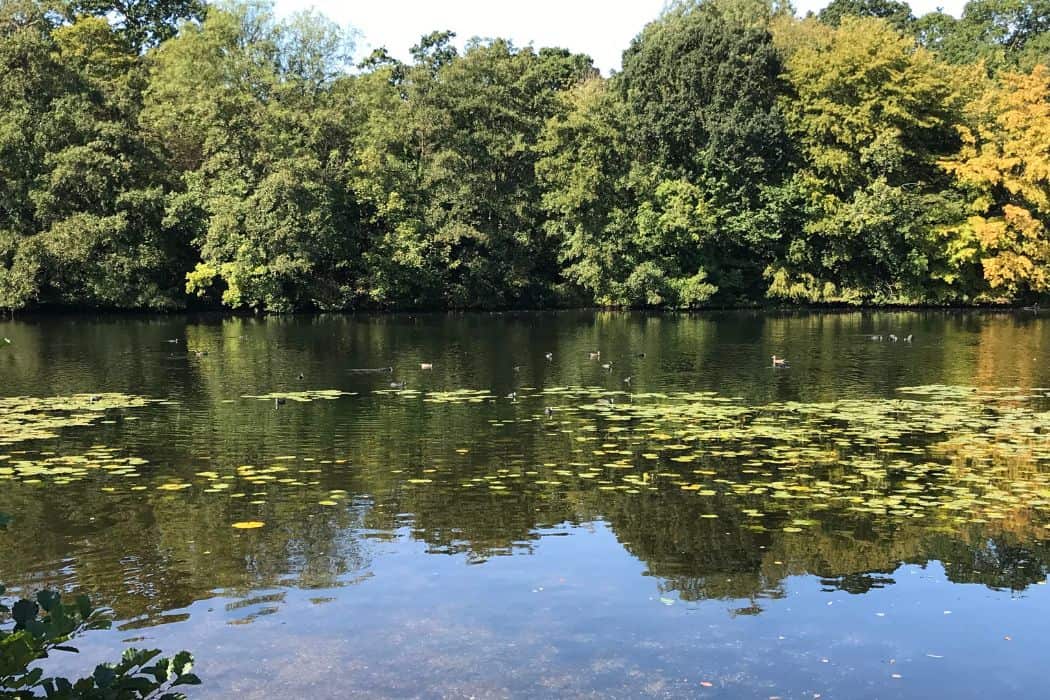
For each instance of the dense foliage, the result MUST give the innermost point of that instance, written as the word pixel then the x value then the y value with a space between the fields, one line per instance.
pixel 166 153
pixel 31 629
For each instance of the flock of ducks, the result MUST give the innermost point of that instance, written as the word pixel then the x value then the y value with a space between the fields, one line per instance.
pixel 594 355
pixel 777 362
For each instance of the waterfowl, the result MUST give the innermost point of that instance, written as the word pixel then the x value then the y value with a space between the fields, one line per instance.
pixel 549 356
pixel 607 366
pixel 640 355
pixel 398 385
pixel 876 337
pixel 596 355
pixel 302 376
pixel 173 340
pixel 517 368
pixel 1033 307
pixel 893 338
pixel 513 396
pixel 278 401
pixel 426 365
pixel 548 411
pixel 627 380
pixel 908 338
pixel 200 353
pixel 779 361
pixel 7 341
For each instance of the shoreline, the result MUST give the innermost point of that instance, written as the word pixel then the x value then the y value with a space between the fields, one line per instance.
pixel 73 312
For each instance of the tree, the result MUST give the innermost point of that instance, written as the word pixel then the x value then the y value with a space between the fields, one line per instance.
pixel 871 113
pixel 1004 165
pixel 140 24
pixel 448 166
pixel 584 170
pixel 700 89
pixel 81 206
pixel 249 110
pixel 1001 33
pixel 897 13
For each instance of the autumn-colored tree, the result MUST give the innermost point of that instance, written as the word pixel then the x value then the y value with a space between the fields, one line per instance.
pixel 1004 164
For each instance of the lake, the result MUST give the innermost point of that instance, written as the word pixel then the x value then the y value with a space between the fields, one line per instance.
pixel 871 520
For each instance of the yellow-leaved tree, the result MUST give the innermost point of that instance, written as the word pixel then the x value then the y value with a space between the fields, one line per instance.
pixel 1004 164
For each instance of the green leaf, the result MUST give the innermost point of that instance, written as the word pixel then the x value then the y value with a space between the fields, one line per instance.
pixel 48 599
pixel 23 612
pixel 104 675
pixel 33 677
pixel 182 663
pixel 83 604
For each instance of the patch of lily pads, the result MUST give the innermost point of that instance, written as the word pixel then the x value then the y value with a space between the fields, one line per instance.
pixel 936 455
pixel 941 455
pixel 66 469
pixel 24 418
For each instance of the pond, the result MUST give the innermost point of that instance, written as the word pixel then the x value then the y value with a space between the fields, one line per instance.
pixel 312 513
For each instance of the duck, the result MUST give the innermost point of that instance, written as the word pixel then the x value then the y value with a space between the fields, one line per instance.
pixel 549 356
pixel 548 411
pixel 398 385
pixel 876 338
pixel 894 338
pixel 278 402
pixel 513 396
pixel 908 338
pixel 640 355
pixel 302 376
pixel 607 366
pixel 779 361
pixel 426 365
pixel 7 341
pixel 173 340
pixel 517 368
pixel 200 353
pixel 595 355
pixel 627 380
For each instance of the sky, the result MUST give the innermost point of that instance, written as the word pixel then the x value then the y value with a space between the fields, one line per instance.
pixel 599 28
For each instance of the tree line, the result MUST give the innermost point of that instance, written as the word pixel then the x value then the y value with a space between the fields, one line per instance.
pixel 166 154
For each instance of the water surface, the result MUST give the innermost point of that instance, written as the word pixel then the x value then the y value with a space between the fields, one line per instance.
pixel 870 521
